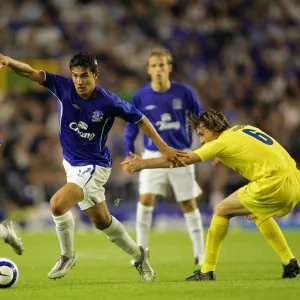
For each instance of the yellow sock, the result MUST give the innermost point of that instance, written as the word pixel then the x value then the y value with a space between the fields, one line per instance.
pixel 215 237
pixel 273 234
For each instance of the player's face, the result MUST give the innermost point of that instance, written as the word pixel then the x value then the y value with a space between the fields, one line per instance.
pixel 84 81
pixel 159 69
pixel 206 135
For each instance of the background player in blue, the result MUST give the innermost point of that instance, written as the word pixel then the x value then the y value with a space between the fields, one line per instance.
pixel 86 114
pixel 8 234
pixel 167 105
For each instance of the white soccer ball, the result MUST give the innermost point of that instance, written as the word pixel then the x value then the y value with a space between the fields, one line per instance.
pixel 9 273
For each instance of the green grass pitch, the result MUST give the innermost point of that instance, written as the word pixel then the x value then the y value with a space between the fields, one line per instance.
pixel 248 269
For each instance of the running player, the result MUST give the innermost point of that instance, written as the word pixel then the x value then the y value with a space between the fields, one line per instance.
pixel 86 115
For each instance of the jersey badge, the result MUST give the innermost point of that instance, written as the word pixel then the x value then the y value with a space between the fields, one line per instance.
pixel 177 103
pixel 97 116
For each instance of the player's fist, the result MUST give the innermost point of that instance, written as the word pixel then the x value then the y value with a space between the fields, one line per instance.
pixel 173 156
pixel 125 166
pixel 4 61
pixel 134 163
pixel 250 217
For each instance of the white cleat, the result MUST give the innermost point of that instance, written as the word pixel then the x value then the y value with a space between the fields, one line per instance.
pixel 12 239
pixel 63 265
pixel 143 266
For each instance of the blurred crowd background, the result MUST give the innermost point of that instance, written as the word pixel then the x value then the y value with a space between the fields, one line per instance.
pixel 240 56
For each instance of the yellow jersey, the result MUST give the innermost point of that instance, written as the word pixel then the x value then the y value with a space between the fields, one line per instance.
pixel 249 151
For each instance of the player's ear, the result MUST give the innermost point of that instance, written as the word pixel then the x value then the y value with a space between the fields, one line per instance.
pixel 96 74
pixel 148 69
pixel 170 68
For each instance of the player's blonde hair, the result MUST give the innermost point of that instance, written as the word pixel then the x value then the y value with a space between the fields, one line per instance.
pixel 160 51
pixel 211 119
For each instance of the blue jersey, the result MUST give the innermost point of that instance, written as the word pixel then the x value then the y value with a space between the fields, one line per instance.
pixel 168 112
pixel 85 124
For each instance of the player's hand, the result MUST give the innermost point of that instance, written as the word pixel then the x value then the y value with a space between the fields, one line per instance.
pixel 173 156
pixel 134 162
pixel 125 166
pixel 215 161
pixel 4 60
pixel 250 217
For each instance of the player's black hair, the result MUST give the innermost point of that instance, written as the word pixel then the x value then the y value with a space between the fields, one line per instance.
pixel 86 60
pixel 211 119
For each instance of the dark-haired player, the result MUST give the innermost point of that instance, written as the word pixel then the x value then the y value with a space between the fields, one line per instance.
pixel 86 115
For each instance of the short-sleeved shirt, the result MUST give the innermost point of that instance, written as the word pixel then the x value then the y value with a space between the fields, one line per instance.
pixel 249 151
pixel 85 124
pixel 168 112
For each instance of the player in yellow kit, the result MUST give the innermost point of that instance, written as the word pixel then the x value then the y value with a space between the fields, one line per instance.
pixel 274 187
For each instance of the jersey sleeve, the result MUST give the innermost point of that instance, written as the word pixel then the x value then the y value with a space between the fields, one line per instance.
pixel 124 110
pixel 193 104
pixel 57 84
pixel 210 150
pixel 131 132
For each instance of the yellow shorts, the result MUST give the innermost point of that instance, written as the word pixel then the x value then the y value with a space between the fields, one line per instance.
pixel 276 195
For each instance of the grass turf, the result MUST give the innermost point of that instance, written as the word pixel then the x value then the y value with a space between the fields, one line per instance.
pixel 248 269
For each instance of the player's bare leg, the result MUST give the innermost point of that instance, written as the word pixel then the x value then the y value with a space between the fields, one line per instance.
pixel 217 232
pixel 117 234
pixel 194 225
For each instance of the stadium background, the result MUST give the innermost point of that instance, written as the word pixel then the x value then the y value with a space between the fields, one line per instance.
pixel 241 57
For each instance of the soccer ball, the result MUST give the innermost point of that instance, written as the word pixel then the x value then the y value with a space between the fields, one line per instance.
pixel 9 273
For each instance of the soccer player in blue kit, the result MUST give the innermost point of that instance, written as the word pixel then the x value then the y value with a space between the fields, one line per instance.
pixel 8 234
pixel 86 114
pixel 167 104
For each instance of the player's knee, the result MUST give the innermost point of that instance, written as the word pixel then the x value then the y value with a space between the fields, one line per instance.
pixel 220 210
pixel 188 205
pixel 147 199
pixel 56 206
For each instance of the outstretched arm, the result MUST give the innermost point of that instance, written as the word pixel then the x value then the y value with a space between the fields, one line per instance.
pixel 22 69
pixel 136 163
pixel 146 126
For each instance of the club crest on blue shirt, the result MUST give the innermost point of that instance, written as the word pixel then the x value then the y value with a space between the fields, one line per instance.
pixel 177 103
pixel 97 116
